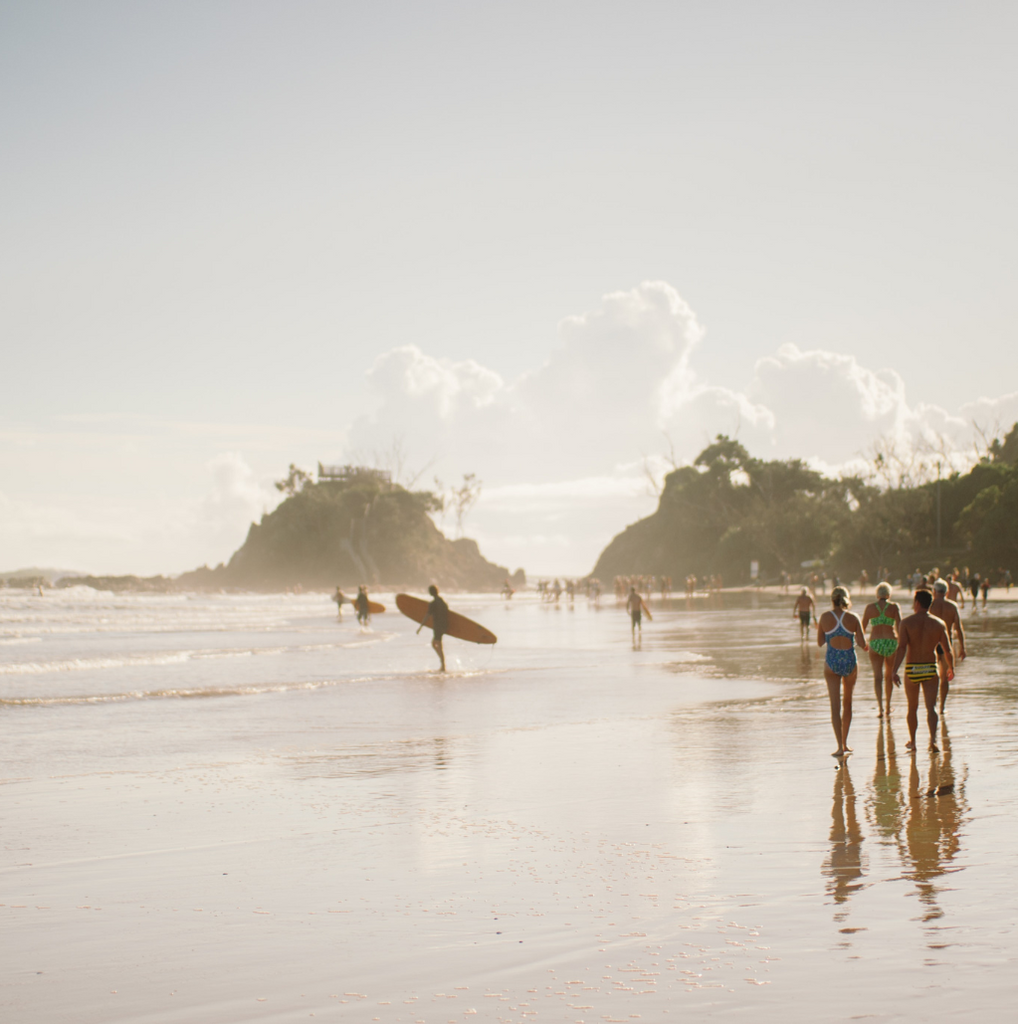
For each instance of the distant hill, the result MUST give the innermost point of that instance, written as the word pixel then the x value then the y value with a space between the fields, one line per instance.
pixel 361 530
pixel 34 573
pixel 729 509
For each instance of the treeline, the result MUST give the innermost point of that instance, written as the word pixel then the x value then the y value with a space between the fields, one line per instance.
pixel 729 509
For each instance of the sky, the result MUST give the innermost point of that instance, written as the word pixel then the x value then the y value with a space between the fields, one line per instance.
pixel 553 244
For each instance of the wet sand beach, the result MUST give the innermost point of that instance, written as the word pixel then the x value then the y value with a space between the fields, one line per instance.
pixel 230 808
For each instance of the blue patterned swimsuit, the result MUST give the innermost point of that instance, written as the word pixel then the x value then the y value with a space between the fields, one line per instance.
pixel 841 663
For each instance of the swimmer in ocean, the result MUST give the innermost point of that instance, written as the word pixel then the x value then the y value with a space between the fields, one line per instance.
pixel 919 636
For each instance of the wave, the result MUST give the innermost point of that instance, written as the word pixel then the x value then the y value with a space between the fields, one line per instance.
pixel 183 693
pixel 175 657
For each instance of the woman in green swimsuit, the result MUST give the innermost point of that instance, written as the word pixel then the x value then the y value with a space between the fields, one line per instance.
pixel 885 618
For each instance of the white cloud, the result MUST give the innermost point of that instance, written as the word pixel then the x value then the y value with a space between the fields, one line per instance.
pixel 598 400
pixel 559 448
pixel 992 415
pixel 107 531
pixel 236 499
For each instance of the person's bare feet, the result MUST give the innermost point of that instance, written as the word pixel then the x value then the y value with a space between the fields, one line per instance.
pixel 934 749
pixel 910 745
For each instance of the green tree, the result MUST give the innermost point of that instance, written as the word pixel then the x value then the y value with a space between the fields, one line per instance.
pixel 294 482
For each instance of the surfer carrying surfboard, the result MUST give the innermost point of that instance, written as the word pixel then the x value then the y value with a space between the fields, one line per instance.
pixel 362 605
pixel 438 612
pixel 443 621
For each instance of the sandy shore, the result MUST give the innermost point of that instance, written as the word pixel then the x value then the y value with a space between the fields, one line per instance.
pixel 574 830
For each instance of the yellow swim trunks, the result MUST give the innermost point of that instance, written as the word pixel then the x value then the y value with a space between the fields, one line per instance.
pixel 919 673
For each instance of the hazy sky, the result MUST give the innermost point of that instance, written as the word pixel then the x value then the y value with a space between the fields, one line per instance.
pixel 236 235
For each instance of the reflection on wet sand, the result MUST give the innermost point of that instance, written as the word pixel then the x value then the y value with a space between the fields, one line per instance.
pixel 886 806
pixel 375 759
pixel 924 822
pixel 931 834
pixel 843 867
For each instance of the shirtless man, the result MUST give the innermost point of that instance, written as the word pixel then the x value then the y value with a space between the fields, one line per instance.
pixel 944 608
pixel 919 637
pixel 804 607
pixel 438 613
pixel 636 608
pixel 954 590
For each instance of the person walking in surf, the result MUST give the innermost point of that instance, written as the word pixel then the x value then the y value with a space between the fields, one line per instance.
pixel 947 611
pixel 636 607
pixel 838 630
pixel 805 607
pixel 438 612
pixel 920 635
pixel 884 616
pixel 362 605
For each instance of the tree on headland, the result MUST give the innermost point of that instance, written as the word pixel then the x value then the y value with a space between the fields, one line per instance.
pixel 1006 450
pixel 729 508
pixel 294 482
pixel 459 500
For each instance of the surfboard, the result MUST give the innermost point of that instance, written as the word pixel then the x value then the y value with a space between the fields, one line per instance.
pixel 459 625
pixel 374 608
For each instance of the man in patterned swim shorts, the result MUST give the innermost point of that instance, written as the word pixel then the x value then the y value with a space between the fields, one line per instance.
pixel 919 636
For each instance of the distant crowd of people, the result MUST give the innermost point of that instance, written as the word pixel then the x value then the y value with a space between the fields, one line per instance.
pixel 553 590
pixel 967 581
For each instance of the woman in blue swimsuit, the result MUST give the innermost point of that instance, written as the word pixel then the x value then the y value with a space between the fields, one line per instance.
pixel 838 630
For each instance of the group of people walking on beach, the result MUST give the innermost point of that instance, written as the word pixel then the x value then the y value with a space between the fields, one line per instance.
pixel 927 643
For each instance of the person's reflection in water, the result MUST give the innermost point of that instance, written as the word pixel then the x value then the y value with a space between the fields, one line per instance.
pixel 931 839
pixel 843 866
pixel 887 806
pixel 806 659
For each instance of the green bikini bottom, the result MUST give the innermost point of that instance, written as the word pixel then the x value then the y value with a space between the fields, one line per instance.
pixel 884 646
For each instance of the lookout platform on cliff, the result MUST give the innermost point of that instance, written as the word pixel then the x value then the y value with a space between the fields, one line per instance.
pixel 354 475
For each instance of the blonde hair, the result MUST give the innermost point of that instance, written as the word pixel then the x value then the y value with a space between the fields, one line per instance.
pixel 884 590
pixel 840 598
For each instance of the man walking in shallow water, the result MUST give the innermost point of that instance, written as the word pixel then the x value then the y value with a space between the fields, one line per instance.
pixel 636 607
pixel 805 607
pixel 919 637
pixel 945 609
